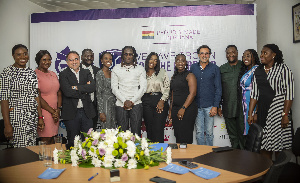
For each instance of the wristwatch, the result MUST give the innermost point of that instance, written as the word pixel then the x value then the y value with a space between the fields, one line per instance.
pixel 183 107
pixel 284 114
pixel 74 87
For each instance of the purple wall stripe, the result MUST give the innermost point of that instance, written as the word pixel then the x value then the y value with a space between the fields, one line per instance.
pixel 176 11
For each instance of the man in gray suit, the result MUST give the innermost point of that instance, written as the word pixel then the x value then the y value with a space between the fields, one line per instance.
pixel 77 110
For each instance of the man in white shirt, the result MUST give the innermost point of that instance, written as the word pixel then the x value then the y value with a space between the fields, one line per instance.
pixel 129 83
pixel 87 61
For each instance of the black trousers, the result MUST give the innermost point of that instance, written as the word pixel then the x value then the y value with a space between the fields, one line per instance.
pixel 81 123
pixel 134 116
pixel 154 121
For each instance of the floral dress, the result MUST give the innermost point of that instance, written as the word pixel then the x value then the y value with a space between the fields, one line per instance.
pixel 246 84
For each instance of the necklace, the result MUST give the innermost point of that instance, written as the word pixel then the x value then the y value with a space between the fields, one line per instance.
pixel 128 68
pixel 267 69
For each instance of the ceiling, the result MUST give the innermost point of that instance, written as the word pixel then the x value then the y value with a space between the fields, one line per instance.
pixel 70 5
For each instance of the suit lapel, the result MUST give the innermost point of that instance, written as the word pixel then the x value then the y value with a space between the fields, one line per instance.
pixel 71 76
pixel 81 76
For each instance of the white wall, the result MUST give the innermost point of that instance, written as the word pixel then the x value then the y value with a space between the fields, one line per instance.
pixel 14 27
pixel 274 25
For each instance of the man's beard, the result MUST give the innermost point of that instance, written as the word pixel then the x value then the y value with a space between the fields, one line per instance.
pixel 232 62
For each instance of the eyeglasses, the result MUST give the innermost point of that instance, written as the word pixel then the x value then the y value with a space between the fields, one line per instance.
pixel 71 60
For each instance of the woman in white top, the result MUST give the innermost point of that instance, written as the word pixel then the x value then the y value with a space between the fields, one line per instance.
pixel 155 100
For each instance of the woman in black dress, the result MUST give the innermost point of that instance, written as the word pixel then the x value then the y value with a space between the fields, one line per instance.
pixel 183 108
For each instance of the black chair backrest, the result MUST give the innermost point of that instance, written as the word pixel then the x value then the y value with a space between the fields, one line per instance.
pixel 296 143
pixel 2 137
pixel 273 174
pixel 254 138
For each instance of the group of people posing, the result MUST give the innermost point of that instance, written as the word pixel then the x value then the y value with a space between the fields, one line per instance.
pixel 244 92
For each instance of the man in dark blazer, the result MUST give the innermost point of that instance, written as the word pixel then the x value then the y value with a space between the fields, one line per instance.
pixel 87 60
pixel 77 109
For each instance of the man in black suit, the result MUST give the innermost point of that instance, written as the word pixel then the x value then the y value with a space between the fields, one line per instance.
pixel 77 110
pixel 87 60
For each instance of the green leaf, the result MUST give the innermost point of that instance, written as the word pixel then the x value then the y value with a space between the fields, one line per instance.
pixel 86 165
pixel 154 164
pixel 139 166
pixel 85 134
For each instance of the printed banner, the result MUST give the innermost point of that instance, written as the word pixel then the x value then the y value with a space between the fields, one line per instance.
pixel 165 30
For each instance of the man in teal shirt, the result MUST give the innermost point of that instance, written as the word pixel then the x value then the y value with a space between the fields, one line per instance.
pixel 231 104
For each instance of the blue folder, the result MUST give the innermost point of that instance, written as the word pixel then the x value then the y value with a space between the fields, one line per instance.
pixel 155 147
pixel 51 173
pixel 205 173
pixel 175 169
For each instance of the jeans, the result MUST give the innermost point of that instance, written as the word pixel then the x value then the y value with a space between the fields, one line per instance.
pixel 204 127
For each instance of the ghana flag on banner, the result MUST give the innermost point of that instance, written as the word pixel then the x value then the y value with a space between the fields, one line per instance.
pixel 148 34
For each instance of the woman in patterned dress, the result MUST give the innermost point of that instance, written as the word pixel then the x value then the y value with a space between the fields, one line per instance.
pixel 51 99
pixel 273 92
pixel 20 103
pixel 155 100
pixel 106 100
pixel 249 65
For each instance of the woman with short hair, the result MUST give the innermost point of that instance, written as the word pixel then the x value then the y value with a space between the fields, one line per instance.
pixel 51 99
pixel 20 101
pixel 183 109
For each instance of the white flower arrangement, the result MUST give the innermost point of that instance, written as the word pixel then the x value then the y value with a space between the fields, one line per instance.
pixel 112 149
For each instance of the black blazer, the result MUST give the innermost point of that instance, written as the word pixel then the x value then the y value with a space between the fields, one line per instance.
pixel 70 97
pixel 95 70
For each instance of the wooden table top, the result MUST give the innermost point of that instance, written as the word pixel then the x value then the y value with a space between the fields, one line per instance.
pixel 228 164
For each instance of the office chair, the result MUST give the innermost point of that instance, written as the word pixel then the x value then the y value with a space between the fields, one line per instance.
pixel 273 174
pixel 254 138
pixel 3 140
pixel 291 171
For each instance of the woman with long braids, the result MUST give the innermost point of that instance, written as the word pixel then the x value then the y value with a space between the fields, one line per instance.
pixel 155 100
pixel 249 65
pixel 273 92
pixel 183 108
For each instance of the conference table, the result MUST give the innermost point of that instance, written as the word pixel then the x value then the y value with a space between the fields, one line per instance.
pixel 22 165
